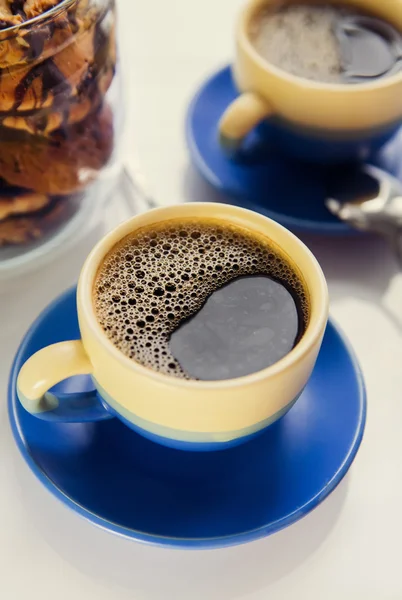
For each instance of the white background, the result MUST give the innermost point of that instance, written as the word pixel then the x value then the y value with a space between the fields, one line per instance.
pixel 350 547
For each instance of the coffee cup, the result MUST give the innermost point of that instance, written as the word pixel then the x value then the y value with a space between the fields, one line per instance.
pixel 309 120
pixel 187 414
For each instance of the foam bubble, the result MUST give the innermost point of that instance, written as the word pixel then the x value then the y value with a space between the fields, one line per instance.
pixel 158 277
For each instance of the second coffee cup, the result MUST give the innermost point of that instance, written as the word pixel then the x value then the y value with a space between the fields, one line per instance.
pixel 312 120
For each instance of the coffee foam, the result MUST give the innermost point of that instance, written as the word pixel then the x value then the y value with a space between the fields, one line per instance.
pixel 300 38
pixel 161 275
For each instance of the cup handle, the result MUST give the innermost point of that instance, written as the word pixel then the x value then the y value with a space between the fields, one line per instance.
pixel 240 118
pixel 49 367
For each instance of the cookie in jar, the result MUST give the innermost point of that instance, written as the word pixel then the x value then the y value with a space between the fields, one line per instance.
pixel 57 134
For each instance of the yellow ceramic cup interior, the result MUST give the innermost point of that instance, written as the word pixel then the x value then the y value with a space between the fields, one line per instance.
pixel 188 411
pixel 324 109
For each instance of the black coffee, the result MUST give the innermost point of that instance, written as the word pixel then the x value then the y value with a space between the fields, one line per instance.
pixel 199 299
pixel 328 43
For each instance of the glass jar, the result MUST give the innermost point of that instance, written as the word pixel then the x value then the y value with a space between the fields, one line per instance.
pixel 58 116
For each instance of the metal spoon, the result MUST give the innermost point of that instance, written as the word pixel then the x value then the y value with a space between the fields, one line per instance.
pixel 381 213
pixel 388 55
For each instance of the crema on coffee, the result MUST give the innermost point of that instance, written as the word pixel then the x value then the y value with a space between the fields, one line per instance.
pixel 201 299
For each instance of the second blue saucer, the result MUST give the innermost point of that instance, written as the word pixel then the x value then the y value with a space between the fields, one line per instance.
pixel 128 485
pixel 290 192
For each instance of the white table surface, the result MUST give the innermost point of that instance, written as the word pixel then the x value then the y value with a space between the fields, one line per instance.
pixel 349 547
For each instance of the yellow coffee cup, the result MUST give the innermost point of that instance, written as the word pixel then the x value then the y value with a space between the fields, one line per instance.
pixel 320 122
pixel 199 415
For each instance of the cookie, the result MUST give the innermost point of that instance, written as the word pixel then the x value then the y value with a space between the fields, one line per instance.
pixel 27 42
pixel 48 82
pixel 19 230
pixel 17 201
pixel 44 122
pixel 63 167
pixel 7 17
pixel 34 8
pixel 44 65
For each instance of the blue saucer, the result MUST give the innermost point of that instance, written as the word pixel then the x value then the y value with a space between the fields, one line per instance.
pixel 279 187
pixel 133 487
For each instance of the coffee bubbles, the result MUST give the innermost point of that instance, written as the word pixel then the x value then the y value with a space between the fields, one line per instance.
pixel 159 277
pixel 327 43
